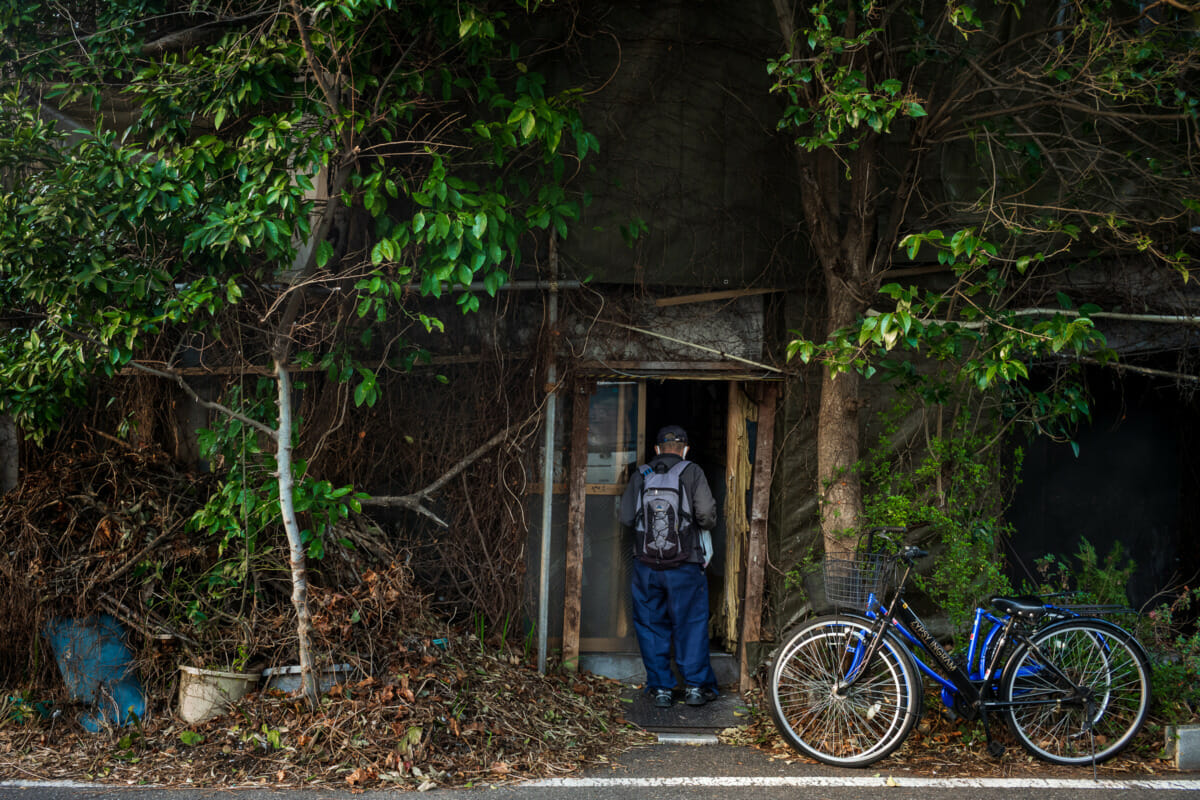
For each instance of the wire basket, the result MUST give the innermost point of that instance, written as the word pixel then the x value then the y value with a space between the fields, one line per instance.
pixel 849 582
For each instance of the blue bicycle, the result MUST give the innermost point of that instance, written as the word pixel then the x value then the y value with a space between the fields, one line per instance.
pixel 847 689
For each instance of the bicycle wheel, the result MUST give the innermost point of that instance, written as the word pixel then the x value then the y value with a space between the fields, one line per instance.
pixel 818 715
pixel 1061 724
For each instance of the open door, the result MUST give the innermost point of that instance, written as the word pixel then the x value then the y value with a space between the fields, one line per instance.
pixel 615 437
pixel 622 419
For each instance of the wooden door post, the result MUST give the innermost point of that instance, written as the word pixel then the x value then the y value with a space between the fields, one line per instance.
pixel 577 498
pixel 756 549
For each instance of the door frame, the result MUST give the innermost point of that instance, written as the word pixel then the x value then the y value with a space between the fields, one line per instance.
pixel 744 590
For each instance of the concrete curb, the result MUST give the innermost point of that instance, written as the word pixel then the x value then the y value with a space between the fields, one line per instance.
pixel 1183 746
pixel 688 738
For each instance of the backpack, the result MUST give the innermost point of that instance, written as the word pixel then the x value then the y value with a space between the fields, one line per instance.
pixel 665 535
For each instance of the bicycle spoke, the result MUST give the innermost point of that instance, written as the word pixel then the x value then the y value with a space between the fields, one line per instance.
pixel 834 722
pixel 1084 690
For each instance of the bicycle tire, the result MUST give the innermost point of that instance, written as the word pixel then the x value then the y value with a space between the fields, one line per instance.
pixel 1103 658
pixel 850 728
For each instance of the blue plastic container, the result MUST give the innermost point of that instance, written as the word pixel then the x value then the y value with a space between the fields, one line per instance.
pixel 97 667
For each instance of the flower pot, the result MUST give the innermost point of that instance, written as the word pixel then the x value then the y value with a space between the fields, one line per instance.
pixel 207 693
pixel 287 679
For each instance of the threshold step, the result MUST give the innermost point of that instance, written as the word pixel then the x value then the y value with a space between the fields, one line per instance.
pixel 688 738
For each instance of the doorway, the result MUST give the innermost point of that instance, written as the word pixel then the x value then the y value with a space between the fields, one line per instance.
pixel 623 419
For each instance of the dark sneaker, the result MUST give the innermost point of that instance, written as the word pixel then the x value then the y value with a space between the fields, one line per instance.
pixel 663 698
pixel 694 696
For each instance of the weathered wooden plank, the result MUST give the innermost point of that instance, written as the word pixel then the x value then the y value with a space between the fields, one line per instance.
pixel 756 550
pixel 576 502
pixel 706 297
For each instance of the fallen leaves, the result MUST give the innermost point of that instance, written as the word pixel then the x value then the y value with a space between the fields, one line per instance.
pixel 434 718
pixel 361 777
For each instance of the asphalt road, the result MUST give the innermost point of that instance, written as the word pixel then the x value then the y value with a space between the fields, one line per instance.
pixel 673 772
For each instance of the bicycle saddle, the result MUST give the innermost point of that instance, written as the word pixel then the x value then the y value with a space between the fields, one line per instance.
pixel 1029 608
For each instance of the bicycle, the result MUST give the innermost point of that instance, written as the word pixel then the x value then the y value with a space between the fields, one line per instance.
pixel 847 690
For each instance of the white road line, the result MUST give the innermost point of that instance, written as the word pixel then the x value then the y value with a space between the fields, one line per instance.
pixel 872 782
pixel 21 784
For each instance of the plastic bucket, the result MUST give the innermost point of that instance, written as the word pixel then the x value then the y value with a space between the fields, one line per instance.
pixel 207 693
pixel 287 679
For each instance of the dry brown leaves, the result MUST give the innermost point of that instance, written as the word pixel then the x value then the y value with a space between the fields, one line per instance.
pixel 940 747
pixel 431 706
pixel 468 714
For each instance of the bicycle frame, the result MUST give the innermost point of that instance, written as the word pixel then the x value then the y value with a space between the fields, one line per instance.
pixel 950 675
pixel 847 688
pixel 985 629
pixel 975 690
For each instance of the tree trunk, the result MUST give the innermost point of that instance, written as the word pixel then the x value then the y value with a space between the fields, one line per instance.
pixel 287 510
pixel 837 435
pixel 10 449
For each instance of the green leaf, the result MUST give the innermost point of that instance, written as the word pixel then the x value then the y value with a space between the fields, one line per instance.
pixel 324 253
pixel 190 738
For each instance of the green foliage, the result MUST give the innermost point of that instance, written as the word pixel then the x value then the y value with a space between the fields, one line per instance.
pixel 849 104
pixel 1091 579
pixel 984 348
pixel 1172 634
pixel 112 239
pixel 881 98
pixel 242 515
pixel 365 152
pixel 1169 631
pixel 952 490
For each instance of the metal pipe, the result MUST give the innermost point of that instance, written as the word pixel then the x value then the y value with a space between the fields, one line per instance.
pixel 543 623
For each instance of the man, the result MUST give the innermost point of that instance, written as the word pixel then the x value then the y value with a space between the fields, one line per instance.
pixel 670 590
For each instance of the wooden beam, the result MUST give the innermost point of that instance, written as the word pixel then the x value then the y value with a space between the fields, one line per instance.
pixel 706 297
pixel 756 549
pixel 577 500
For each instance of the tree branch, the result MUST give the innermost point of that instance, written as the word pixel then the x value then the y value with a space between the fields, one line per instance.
pixel 171 375
pixel 414 501
pixel 189 37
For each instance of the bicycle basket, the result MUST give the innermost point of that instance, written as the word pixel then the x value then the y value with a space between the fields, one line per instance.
pixel 850 581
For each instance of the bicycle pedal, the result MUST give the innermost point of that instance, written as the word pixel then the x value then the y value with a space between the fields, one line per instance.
pixel 995 749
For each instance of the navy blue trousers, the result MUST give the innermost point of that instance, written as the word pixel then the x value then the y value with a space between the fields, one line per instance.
pixel 670 607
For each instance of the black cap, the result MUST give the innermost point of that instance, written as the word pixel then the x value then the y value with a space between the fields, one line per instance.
pixel 672 433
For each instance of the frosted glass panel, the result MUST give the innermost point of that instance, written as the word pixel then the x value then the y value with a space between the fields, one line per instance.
pixel 612 450
pixel 612 432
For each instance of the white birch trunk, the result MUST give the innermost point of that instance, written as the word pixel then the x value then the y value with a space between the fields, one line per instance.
pixel 287 510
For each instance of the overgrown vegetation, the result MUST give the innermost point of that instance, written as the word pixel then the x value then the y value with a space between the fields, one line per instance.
pixel 990 147
pixel 950 485
pixel 1169 630
pixel 285 185
pixel 428 704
